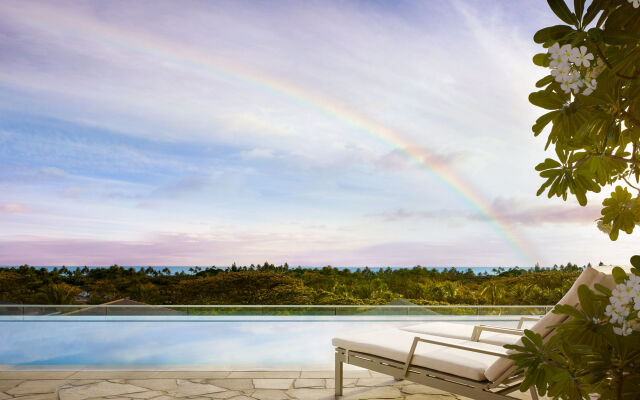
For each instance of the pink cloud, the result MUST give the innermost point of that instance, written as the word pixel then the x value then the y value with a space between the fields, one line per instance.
pixel 160 250
pixel 510 210
pixel 182 249
pixel 12 208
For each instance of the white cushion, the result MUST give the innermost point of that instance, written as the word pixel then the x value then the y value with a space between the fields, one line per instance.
pixel 461 331
pixel 395 345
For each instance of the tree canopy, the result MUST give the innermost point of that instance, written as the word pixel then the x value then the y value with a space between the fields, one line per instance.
pixel 592 96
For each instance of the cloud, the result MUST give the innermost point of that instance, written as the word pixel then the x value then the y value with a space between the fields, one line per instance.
pixel 256 153
pixel 50 172
pixel 511 210
pixel 182 186
pixel 397 159
pixel 12 208
pixel 515 211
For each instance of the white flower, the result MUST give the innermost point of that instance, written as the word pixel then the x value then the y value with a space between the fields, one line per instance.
pixel 611 311
pixel 565 52
pixel 619 295
pixel 590 86
pixel 634 280
pixel 567 86
pixel 554 49
pixel 579 56
pixel 562 72
pixel 636 3
pixel 624 330
pixel 557 61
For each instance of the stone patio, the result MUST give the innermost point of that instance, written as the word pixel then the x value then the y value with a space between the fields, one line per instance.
pixel 201 385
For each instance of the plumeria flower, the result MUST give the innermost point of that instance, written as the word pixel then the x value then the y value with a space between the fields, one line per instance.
pixel 624 330
pixel 562 73
pixel 566 86
pixel 579 56
pixel 627 290
pixel 636 3
pixel 565 52
pixel 557 61
pixel 554 49
pixel 612 312
pixel 619 295
pixel 590 86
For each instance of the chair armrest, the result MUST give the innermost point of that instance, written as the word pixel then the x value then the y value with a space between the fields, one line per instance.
pixel 444 344
pixel 478 329
pixel 522 319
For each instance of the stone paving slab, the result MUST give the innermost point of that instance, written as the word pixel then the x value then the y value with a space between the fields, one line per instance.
pixel 208 385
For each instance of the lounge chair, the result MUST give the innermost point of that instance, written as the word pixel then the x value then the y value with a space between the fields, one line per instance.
pixel 495 335
pixel 470 368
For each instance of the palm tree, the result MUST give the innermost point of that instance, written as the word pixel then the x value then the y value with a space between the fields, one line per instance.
pixel 57 293
pixel 493 292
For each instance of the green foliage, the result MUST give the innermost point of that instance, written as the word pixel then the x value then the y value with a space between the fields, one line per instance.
pixel 269 284
pixel 57 293
pixel 621 212
pixel 583 356
pixel 596 136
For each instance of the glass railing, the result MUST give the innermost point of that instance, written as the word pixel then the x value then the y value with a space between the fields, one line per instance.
pixel 29 312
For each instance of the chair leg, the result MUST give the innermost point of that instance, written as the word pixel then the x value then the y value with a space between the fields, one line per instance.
pixel 338 375
pixel 534 393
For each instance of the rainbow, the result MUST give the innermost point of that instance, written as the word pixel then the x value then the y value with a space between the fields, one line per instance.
pixel 89 29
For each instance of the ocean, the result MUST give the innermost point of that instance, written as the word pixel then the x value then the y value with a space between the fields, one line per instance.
pixel 190 269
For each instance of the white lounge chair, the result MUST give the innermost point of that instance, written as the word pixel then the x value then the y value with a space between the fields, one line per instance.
pixel 471 368
pixel 496 335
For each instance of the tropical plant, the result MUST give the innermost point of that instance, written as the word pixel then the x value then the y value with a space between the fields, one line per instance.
pixel 57 293
pixel 592 93
pixel 596 353
pixel 493 292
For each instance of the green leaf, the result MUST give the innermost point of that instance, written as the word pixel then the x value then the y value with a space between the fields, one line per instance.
pixel 543 121
pixel 545 99
pixel 544 186
pixel 541 60
pixel 603 289
pixel 548 164
pixel 621 211
pixel 552 33
pixel 619 275
pixel 578 8
pixel 545 81
pixel 581 196
pixel 592 11
pixel 635 261
pixel 534 337
pixel 618 37
pixel 567 310
pixel 586 303
pixel 562 11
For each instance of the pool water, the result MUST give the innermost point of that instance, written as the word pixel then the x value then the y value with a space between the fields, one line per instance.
pixel 228 344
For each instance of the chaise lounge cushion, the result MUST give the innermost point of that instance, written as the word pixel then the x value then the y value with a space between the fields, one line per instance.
pixel 462 332
pixel 395 345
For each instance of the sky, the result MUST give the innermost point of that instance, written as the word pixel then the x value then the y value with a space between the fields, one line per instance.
pixel 344 133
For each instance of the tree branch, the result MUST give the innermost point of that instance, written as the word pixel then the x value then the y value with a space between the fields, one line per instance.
pixel 629 183
pixel 633 77
pixel 630 118
pixel 584 160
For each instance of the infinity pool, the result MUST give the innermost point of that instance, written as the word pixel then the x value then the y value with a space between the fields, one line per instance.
pixel 225 343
